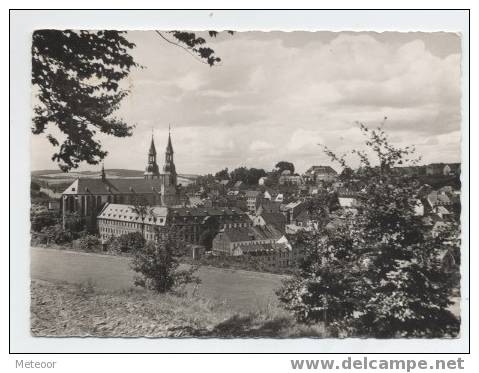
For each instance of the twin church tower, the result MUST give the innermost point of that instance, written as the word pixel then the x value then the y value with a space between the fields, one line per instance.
pixel 152 170
pixel 168 178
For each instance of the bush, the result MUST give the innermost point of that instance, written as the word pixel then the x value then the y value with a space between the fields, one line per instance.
pixel 56 234
pixel 89 243
pixel 41 218
pixel 127 243
pixel 157 268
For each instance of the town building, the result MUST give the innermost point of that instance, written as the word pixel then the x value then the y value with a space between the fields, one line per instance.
pixel 253 200
pixel 274 219
pixel 316 174
pixel 85 197
pixel 264 243
pixel 191 223
pixel 187 224
pixel 441 169
pixel 117 219
pixel 262 180
pixel 288 178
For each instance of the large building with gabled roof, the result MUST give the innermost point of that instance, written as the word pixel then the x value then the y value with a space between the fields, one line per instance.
pixel 83 200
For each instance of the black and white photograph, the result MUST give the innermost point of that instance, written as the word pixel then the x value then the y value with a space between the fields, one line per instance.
pixel 245 184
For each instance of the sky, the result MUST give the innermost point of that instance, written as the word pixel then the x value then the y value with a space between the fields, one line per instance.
pixel 277 95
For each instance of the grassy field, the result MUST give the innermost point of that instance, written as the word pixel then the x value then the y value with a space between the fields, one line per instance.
pixel 60 309
pixel 242 291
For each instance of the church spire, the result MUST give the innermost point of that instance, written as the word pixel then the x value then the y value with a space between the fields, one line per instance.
pixel 169 147
pixel 152 170
pixel 152 145
pixel 169 166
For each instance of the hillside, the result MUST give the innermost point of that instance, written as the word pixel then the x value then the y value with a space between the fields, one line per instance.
pixel 64 310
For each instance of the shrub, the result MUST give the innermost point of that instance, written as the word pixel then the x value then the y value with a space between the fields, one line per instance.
pixel 127 243
pixel 56 234
pixel 89 243
pixel 41 218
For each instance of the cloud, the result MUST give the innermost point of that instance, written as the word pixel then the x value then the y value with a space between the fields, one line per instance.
pixel 260 146
pixel 305 141
pixel 277 95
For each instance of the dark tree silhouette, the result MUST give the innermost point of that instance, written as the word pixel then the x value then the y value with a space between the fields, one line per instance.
pixel 223 174
pixel 283 165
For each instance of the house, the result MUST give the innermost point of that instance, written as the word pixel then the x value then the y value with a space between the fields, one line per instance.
pixel 348 199
pixel 262 180
pixel 279 198
pixel 253 199
pixel 443 212
pixel 291 209
pixel 268 206
pixel 303 218
pixel 274 219
pixel 410 170
pixel 418 207
pixel 224 183
pixel 238 185
pixel 264 243
pixel 316 174
pixel 191 223
pixel 288 178
pixel 54 205
pixel 437 169
pixel 195 202
pixel 436 198
pixel 454 169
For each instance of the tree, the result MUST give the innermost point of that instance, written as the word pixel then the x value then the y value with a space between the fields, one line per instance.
pixel 249 176
pixel 254 174
pixel 378 274
pixel 158 269
pixel 346 174
pixel 143 208
pixel 283 165
pixel 77 76
pixel 222 175
pixel 34 186
pixel 239 174
pixel 211 228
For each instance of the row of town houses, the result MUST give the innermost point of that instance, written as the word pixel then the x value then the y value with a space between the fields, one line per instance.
pixel 256 221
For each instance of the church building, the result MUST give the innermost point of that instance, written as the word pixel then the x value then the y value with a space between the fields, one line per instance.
pixel 83 200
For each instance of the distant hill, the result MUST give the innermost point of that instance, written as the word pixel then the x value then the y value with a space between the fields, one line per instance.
pixel 57 176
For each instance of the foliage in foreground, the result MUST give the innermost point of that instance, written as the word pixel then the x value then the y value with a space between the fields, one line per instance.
pixel 158 269
pixel 379 274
